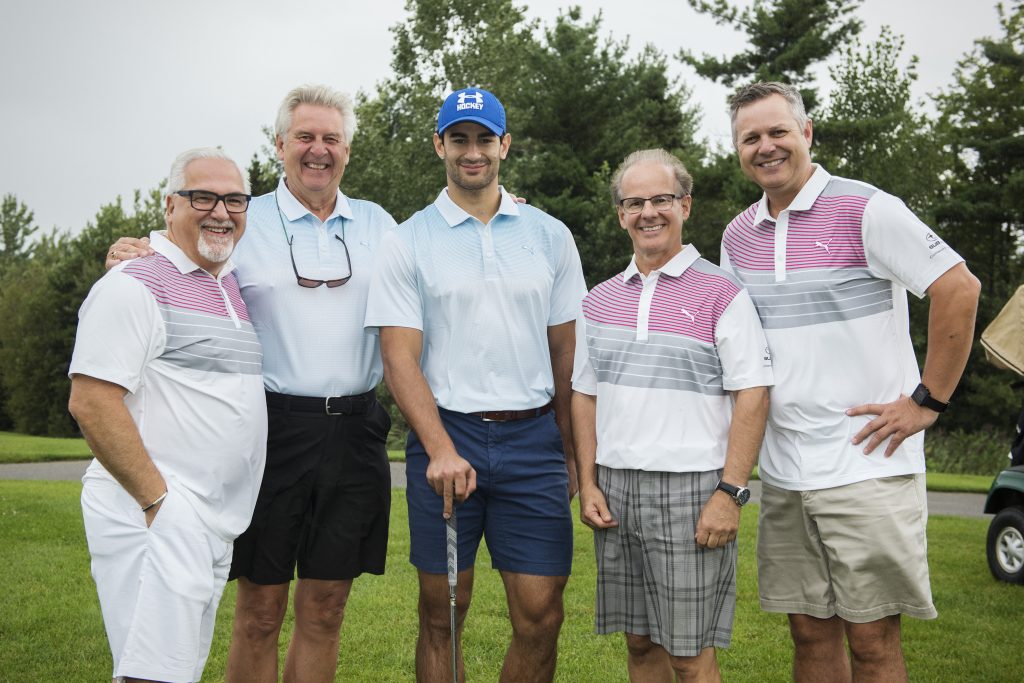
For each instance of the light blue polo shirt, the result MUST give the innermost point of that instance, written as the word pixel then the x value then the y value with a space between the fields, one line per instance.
pixel 483 296
pixel 313 340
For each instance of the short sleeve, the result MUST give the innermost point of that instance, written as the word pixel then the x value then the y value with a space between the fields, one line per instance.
pixel 119 332
pixel 569 287
pixel 394 299
pixel 742 347
pixel 902 249
pixel 584 379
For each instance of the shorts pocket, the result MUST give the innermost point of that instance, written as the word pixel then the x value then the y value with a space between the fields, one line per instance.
pixel 378 422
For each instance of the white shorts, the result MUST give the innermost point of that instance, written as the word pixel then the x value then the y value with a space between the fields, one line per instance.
pixel 158 587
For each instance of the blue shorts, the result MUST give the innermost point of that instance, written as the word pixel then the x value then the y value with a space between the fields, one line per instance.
pixel 520 506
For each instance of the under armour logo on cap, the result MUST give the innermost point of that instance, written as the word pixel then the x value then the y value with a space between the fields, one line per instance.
pixel 473 105
pixel 477 103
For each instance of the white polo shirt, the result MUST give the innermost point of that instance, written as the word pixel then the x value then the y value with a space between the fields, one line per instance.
pixel 661 353
pixel 180 341
pixel 484 296
pixel 829 278
pixel 313 339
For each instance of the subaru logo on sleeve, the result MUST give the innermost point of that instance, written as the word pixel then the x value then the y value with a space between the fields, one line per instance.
pixel 465 103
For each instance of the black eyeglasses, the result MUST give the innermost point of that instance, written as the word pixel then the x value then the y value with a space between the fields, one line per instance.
pixel 201 200
pixel 660 202
pixel 310 282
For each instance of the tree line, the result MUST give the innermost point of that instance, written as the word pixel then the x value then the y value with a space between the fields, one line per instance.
pixel 578 101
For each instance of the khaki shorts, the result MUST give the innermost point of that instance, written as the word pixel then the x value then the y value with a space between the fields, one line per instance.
pixel 858 551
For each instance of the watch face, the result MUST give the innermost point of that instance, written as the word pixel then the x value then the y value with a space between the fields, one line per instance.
pixel 920 394
pixel 742 496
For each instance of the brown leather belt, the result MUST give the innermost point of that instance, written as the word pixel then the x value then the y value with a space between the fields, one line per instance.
pixel 511 415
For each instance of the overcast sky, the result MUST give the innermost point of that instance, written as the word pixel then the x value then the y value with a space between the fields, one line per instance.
pixel 98 97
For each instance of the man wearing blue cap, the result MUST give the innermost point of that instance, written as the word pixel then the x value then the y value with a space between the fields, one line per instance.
pixel 475 298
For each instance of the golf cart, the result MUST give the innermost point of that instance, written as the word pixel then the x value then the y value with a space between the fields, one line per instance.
pixel 1003 341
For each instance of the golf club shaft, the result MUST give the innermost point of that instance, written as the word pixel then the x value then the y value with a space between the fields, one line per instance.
pixel 453 573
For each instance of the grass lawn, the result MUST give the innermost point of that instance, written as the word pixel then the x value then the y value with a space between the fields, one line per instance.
pixel 960 483
pixel 21 448
pixel 51 629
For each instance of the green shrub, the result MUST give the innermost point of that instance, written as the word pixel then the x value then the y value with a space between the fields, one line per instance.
pixel 958 452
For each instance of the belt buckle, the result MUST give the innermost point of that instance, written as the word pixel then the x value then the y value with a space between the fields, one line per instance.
pixel 484 418
pixel 327 406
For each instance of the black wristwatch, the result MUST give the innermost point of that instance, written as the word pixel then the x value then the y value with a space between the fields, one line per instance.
pixel 739 494
pixel 923 398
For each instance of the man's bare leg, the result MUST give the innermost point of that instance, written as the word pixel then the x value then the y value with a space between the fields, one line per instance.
pixel 259 612
pixel 434 644
pixel 535 608
pixel 820 655
pixel 647 662
pixel 877 651
pixel 319 611
pixel 702 668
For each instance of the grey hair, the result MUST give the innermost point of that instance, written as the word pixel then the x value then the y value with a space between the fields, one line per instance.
pixel 176 178
pixel 684 181
pixel 755 92
pixel 320 95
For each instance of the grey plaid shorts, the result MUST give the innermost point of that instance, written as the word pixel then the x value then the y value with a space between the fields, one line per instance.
pixel 652 577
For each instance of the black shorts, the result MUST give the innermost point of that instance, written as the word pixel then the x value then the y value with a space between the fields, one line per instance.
pixel 324 501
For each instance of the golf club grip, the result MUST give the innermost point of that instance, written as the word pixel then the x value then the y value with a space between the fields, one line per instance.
pixel 453 549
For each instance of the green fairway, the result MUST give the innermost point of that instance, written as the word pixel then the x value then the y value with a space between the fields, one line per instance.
pixel 51 629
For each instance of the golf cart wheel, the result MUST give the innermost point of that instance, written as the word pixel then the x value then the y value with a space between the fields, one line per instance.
pixel 1005 548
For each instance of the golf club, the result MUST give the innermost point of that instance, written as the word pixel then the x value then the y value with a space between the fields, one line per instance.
pixel 453 570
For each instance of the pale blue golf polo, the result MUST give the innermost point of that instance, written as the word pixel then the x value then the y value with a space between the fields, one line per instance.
pixel 483 296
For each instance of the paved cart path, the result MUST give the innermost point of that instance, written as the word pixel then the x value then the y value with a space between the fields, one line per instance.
pixel 956 504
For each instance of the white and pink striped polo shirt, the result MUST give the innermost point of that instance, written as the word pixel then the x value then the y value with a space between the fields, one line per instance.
pixel 180 341
pixel 661 353
pixel 829 279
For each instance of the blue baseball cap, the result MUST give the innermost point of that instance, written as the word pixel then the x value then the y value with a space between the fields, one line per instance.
pixel 475 105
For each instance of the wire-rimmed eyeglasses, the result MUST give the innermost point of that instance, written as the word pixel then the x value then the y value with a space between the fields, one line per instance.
pixel 660 202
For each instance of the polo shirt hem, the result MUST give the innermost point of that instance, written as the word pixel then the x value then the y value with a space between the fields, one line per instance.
pixel 852 478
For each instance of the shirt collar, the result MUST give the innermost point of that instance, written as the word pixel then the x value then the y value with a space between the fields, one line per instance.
pixel 675 267
pixel 293 209
pixel 455 215
pixel 173 253
pixel 804 199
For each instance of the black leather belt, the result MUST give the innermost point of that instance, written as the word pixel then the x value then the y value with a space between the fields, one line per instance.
pixel 511 415
pixel 330 405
